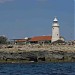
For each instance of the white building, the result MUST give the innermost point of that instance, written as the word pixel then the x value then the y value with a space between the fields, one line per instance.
pixel 55 30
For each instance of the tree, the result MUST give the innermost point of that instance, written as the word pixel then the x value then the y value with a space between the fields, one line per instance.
pixel 3 40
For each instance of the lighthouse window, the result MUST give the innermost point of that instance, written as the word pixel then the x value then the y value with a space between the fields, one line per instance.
pixel 57 34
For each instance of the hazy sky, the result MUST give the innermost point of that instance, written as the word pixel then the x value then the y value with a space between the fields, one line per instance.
pixel 27 18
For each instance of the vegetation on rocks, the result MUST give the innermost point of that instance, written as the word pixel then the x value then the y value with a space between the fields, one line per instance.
pixel 3 40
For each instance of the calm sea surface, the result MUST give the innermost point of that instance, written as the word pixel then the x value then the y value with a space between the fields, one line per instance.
pixel 38 69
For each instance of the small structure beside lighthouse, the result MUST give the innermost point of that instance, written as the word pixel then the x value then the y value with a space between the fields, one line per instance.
pixel 55 30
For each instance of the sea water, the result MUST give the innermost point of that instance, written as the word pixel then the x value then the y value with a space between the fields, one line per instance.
pixel 38 69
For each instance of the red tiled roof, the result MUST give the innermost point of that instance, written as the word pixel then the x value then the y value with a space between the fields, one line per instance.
pixel 41 38
pixel 20 40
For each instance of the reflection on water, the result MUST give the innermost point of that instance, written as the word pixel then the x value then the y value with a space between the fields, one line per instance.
pixel 38 69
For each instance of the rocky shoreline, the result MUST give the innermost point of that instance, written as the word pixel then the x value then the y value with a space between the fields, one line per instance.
pixel 48 53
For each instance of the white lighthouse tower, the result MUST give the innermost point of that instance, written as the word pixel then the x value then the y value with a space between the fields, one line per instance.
pixel 55 30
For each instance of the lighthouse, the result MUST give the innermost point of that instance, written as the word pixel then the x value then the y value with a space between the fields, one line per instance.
pixel 55 30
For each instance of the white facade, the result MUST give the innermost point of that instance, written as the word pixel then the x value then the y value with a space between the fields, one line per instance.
pixel 55 30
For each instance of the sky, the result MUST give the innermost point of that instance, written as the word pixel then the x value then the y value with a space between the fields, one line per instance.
pixel 28 18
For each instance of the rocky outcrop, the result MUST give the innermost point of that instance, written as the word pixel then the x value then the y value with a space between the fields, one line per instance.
pixel 37 56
